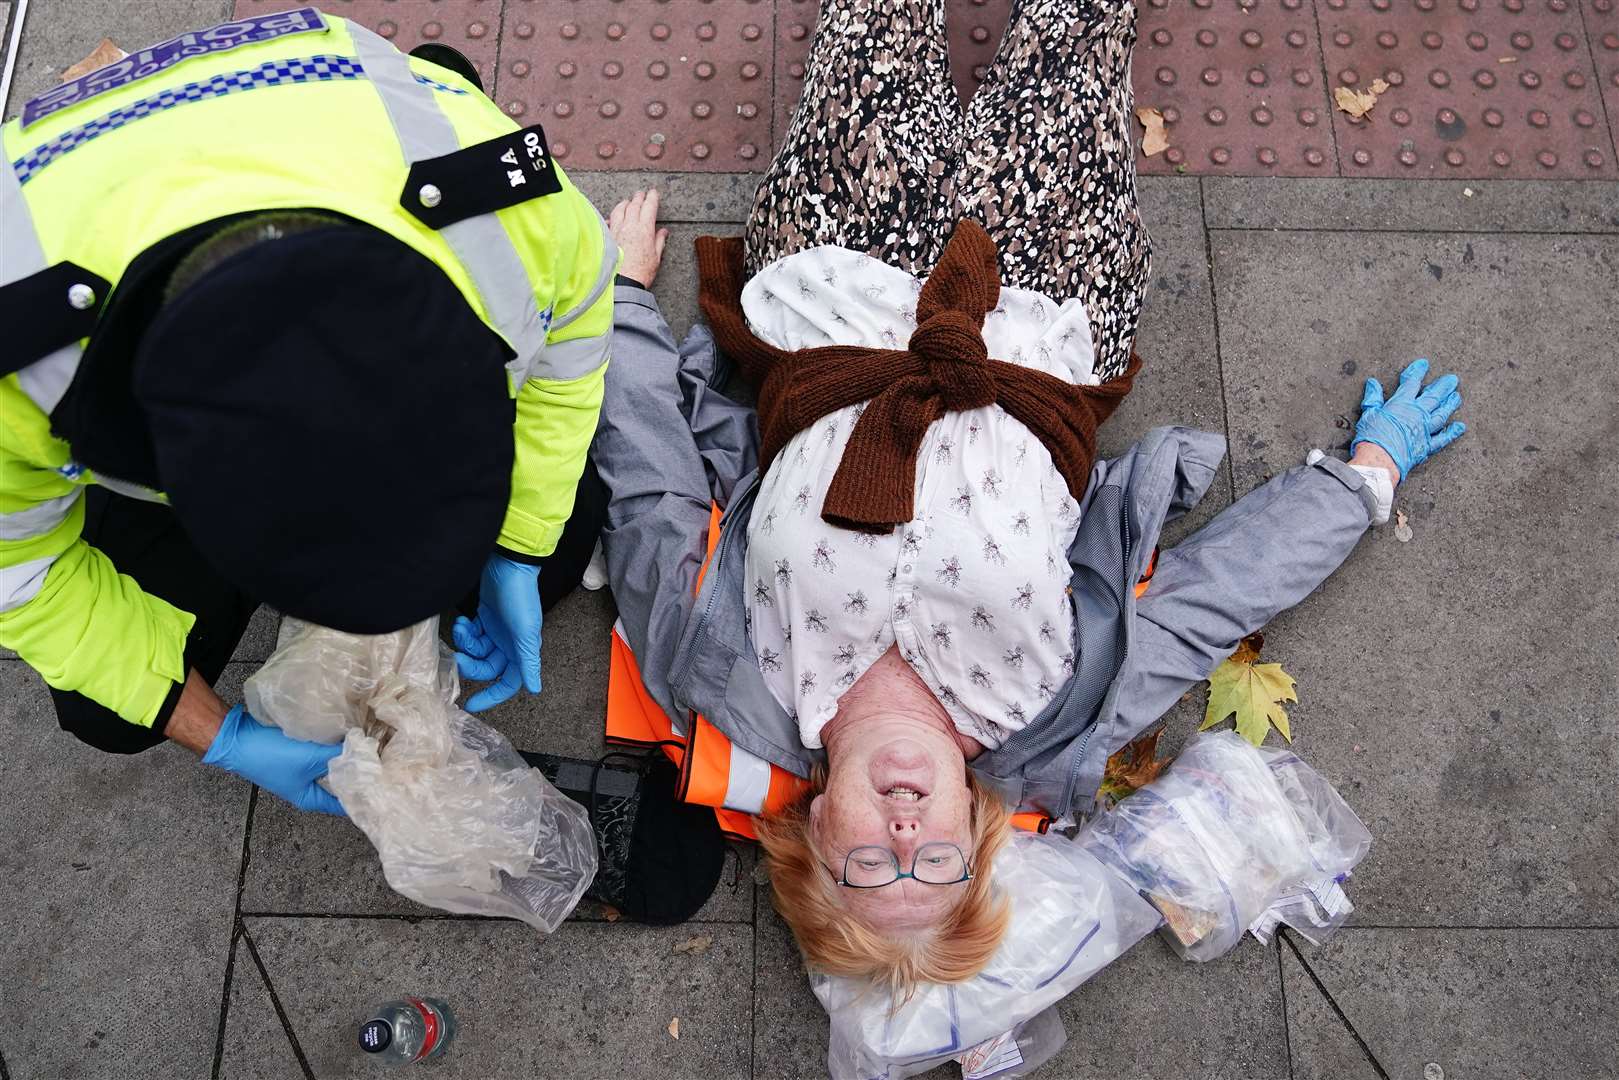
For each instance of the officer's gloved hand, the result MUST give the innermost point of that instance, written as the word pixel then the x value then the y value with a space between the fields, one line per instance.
pixel 274 761
pixel 502 643
pixel 1411 424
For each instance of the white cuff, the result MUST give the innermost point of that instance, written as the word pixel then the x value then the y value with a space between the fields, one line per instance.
pixel 1377 482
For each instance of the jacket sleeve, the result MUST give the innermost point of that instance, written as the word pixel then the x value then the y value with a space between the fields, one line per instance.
pixel 1257 558
pixel 659 495
pixel 558 405
pixel 64 608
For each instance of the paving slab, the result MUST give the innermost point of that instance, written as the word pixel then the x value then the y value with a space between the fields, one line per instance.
pixel 1496 206
pixel 1227 1021
pixel 568 716
pixel 315 864
pixel 790 1033
pixel 1180 376
pixel 1602 26
pixel 1239 85
pixel 256 1046
pixel 60 33
pixel 1473 90
pixel 1479 1004
pixel 592 1001
pixel 120 892
pixel 258 640
pixel 1459 689
pixel 684 197
pixel 1319 1040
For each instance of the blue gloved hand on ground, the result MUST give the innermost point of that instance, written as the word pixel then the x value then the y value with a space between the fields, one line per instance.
pixel 502 644
pixel 274 761
pixel 1411 424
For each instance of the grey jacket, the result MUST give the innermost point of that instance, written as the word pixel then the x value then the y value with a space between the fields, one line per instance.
pixel 670 444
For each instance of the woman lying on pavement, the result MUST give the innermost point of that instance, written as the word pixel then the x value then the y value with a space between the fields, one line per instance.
pixel 927 596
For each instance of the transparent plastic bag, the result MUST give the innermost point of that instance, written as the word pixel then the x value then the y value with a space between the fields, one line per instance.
pixel 1071 917
pixel 319 682
pixel 1227 838
pixel 459 820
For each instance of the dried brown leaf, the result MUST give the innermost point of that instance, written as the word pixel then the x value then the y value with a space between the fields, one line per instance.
pixel 674 1028
pixel 695 946
pixel 1379 87
pixel 102 55
pixel 1154 140
pixel 1249 647
pixel 1354 102
pixel 611 913
pixel 1133 766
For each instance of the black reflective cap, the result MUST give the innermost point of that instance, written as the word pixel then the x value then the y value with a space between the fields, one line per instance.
pixel 331 423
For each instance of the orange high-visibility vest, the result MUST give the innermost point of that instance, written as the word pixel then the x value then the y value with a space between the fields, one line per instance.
pixel 713 772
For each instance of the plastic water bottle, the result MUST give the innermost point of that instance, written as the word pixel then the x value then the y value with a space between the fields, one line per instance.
pixel 407 1030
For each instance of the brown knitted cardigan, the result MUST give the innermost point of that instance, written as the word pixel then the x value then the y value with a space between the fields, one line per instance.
pixel 945 369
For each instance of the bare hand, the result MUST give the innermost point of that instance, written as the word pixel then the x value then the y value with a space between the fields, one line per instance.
pixel 634 225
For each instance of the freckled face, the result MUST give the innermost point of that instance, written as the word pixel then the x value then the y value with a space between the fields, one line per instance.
pixel 895 782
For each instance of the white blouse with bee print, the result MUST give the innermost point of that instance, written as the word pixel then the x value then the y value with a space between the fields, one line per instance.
pixel 973 590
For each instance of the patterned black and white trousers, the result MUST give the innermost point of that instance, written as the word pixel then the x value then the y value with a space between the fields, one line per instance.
pixel 881 158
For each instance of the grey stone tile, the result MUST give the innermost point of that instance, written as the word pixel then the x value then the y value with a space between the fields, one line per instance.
pixel 1180 376
pixel 676 287
pixel 120 889
pixel 1227 1019
pixel 790 1033
pixel 685 197
pixel 569 714
pixel 5 35
pixel 1459 689
pixel 593 1000
pixel 258 640
pixel 256 1045
pixel 1241 202
pixel 1319 1042
pixel 1480 1004
pixel 60 33
pixel 316 864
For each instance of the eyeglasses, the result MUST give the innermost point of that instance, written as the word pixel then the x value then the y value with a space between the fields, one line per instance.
pixel 938 863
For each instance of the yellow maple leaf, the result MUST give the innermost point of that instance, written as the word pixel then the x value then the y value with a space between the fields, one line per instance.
pixel 1251 690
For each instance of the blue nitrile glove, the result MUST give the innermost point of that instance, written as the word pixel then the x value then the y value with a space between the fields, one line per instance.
pixel 1411 424
pixel 275 761
pixel 503 643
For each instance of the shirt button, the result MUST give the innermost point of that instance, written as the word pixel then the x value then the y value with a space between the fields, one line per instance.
pixel 906 568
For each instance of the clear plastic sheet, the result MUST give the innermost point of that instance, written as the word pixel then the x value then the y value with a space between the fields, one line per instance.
pixel 459 820
pixel 1228 833
pixel 1070 918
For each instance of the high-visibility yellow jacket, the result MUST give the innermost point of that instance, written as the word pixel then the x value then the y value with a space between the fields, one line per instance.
pixel 296 110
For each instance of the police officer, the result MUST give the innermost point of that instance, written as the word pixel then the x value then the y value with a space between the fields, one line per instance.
pixel 289 318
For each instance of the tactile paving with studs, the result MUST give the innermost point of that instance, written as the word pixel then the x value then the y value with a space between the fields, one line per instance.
pixel 1602 22
pixel 1239 84
pixel 643 83
pixel 1478 88
pixel 472 26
